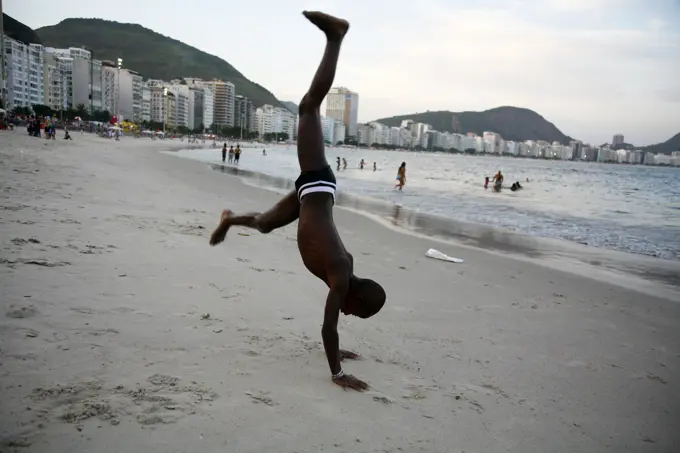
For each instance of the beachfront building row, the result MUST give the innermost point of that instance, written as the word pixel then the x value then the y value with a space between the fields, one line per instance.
pixel 68 78
pixel 275 120
pixel 414 135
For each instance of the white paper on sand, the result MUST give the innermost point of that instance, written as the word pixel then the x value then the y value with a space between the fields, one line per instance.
pixel 436 254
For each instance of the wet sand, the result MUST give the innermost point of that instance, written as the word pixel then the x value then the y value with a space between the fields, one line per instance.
pixel 653 276
pixel 123 331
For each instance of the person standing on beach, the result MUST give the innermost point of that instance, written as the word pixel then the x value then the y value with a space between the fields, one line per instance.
pixel 321 248
pixel 224 152
pixel 237 154
pixel 344 163
pixel 231 155
pixel 401 176
pixel 375 167
pixel 338 162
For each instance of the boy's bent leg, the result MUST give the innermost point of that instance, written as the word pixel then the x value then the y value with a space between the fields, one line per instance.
pixel 286 211
pixel 310 144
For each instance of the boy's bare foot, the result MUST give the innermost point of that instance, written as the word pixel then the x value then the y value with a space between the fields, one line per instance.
pixel 221 231
pixel 335 28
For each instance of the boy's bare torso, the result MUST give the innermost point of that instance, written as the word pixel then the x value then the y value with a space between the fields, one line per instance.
pixel 320 246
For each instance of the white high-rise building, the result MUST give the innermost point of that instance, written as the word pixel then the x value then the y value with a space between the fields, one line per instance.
pixel 129 86
pixel 181 93
pixel 381 133
pixel 200 97
pixel 146 103
pixel 270 119
pixel 244 114
pixel 83 76
pixel 25 78
pixel 55 83
pixel 109 87
pixel 195 107
pixel 224 98
pixel 343 105
pixel 328 128
pixel 339 133
pixel 395 137
pixel 208 107
pixel 161 105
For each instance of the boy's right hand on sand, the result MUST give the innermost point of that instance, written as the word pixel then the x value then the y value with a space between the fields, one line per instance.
pixel 349 381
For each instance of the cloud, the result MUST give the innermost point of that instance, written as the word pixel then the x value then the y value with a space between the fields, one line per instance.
pixel 584 5
pixel 479 58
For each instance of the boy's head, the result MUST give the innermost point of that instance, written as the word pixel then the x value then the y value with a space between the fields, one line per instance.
pixel 364 299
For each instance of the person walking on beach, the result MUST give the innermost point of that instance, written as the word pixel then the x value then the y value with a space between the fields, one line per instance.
pixel 321 248
pixel 401 176
pixel 338 162
pixel 237 154
pixel 375 167
pixel 231 155
pixel 224 152
pixel 361 164
pixel 344 163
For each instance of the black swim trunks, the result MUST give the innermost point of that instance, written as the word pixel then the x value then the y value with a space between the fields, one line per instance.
pixel 316 181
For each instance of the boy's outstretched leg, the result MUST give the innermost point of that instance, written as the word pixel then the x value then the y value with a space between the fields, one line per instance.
pixel 310 144
pixel 284 212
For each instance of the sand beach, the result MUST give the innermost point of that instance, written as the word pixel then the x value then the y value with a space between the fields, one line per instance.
pixel 122 330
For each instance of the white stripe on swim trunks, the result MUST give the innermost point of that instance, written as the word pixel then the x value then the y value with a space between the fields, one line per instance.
pixel 332 184
pixel 309 190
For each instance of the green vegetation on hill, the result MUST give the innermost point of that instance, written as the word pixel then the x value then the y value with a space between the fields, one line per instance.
pixel 512 123
pixel 292 106
pixel 16 30
pixel 151 54
pixel 667 147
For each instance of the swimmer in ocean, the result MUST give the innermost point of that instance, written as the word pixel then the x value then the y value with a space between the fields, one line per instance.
pixel 401 176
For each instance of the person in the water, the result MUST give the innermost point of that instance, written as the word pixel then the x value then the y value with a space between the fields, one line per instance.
pixel 401 176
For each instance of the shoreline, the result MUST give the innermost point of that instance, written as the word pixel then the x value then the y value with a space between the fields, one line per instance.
pixel 651 232
pixel 124 331
pixel 584 260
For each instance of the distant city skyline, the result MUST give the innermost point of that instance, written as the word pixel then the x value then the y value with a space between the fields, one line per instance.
pixel 594 68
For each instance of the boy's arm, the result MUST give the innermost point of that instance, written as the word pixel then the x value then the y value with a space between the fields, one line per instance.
pixel 339 287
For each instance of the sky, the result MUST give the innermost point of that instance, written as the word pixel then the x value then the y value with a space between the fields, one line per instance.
pixel 594 68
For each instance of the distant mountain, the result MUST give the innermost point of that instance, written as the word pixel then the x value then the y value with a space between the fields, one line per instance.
pixel 16 30
pixel 667 147
pixel 512 123
pixel 151 54
pixel 292 106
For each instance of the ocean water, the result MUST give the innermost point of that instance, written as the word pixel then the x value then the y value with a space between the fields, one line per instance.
pixel 634 209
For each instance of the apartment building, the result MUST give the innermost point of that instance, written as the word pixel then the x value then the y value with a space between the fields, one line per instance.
pixel 224 94
pixel 24 69
pixel 343 105
pixel 244 112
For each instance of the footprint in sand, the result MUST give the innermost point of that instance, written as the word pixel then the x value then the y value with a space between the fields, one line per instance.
pixel 261 397
pixel 98 333
pixel 21 241
pixel 165 401
pixel 84 310
pixel 21 311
